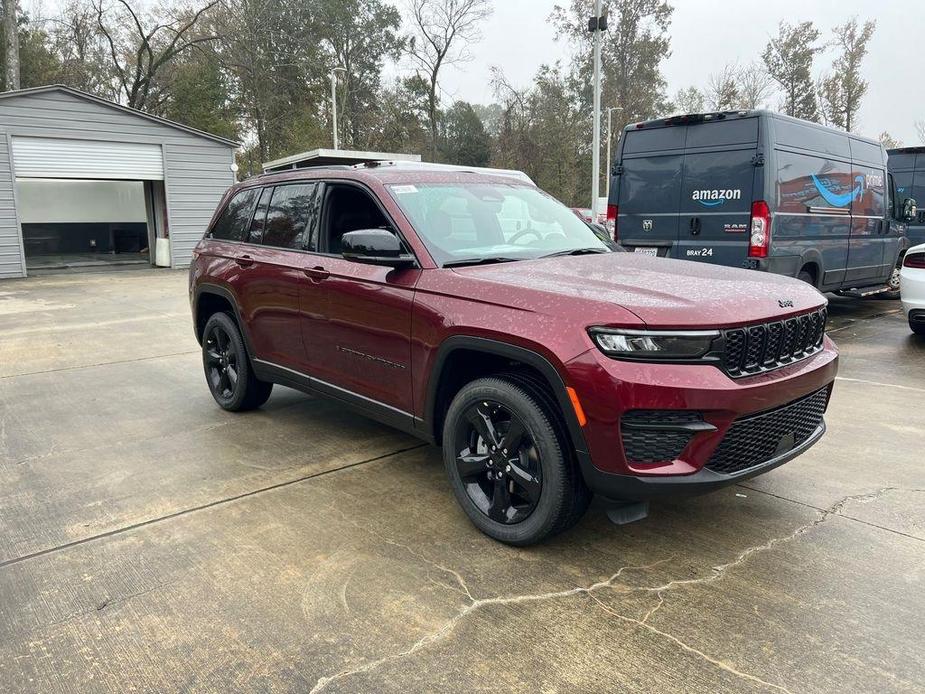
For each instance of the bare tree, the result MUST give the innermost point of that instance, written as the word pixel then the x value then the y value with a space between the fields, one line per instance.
pixel 689 100
pixel 11 45
pixel 138 52
pixel 888 140
pixel 723 90
pixel 441 32
pixel 755 86
pixel 841 91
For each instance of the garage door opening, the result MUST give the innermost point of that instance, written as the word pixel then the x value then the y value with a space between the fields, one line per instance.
pixel 68 223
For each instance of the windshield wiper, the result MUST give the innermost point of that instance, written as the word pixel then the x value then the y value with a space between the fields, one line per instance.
pixel 487 260
pixel 577 251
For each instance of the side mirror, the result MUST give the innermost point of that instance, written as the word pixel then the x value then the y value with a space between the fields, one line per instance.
pixel 375 247
pixel 909 210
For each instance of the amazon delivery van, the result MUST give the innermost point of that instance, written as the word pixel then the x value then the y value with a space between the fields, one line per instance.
pixel 760 190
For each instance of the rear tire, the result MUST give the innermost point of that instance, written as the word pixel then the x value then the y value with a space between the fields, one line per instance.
pixel 508 464
pixel 918 328
pixel 228 369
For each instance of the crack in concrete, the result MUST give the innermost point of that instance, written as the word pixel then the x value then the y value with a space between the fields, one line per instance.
pixel 719 571
pixel 723 665
pixel 476 604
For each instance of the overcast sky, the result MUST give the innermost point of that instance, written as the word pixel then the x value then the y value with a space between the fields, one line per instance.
pixel 705 35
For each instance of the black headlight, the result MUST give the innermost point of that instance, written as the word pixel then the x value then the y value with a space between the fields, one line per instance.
pixel 654 344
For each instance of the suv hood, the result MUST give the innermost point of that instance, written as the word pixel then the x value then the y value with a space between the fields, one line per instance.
pixel 662 292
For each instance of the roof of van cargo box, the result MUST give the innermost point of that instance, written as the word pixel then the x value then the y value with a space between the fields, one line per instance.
pixel 719 116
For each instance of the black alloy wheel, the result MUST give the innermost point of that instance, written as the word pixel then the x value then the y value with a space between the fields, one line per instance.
pixel 221 362
pixel 498 463
pixel 508 459
pixel 228 368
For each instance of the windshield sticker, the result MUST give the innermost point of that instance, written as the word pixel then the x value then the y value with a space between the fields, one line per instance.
pixel 404 189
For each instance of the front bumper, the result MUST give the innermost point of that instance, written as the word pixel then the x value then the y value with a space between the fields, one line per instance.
pixel 609 389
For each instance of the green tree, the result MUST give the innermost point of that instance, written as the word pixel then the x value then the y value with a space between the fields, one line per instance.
pixel 465 140
pixel 789 61
pixel 632 52
pixel 441 31
pixel 197 94
pixel 359 36
pixel 842 90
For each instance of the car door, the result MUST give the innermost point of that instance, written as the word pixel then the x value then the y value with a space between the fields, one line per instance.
pixel 646 190
pixel 870 230
pixel 275 281
pixel 356 321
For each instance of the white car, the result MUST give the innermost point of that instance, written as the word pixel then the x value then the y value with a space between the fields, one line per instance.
pixel 912 288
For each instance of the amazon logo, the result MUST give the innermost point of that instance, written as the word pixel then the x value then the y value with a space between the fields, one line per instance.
pixel 716 196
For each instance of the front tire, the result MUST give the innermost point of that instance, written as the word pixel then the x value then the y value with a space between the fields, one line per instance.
pixel 508 464
pixel 228 369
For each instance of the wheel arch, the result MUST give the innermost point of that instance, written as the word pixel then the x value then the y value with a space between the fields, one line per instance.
pixel 443 384
pixel 210 298
pixel 811 261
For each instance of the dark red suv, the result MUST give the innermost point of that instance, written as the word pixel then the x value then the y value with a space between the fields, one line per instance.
pixel 478 313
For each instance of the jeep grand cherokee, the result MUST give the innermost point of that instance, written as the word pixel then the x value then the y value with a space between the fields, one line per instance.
pixel 480 314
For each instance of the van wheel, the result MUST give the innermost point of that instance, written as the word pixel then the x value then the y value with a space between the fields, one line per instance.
pixel 893 284
pixel 228 369
pixel 509 468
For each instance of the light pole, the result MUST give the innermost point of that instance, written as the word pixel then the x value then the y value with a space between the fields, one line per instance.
pixel 610 110
pixel 596 25
pixel 334 102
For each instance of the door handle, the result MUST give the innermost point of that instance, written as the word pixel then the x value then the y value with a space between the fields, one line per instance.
pixel 695 226
pixel 244 260
pixel 317 273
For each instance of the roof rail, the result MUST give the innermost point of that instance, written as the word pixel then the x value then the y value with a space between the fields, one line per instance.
pixel 431 166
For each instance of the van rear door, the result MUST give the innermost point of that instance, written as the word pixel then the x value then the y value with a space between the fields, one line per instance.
pixel 648 188
pixel 716 191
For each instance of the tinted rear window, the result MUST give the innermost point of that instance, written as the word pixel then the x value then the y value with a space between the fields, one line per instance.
pixel 290 218
pixel 232 224
pixel 653 140
pixel 742 131
pixel 903 161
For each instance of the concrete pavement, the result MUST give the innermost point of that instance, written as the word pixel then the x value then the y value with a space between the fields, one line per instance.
pixel 150 541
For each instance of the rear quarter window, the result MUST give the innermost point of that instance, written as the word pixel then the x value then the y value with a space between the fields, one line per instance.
pixel 233 223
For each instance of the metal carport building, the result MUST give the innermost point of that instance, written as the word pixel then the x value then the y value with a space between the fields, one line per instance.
pixel 87 181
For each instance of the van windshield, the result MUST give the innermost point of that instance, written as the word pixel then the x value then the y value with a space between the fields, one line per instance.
pixel 464 223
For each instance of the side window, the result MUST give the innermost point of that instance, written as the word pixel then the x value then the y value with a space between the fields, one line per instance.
pixel 870 192
pixel 805 182
pixel 255 234
pixel 290 218
pixel 348 209
pixel 233 222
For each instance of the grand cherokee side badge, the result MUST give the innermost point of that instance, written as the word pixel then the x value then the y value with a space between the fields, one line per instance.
pixel 785 303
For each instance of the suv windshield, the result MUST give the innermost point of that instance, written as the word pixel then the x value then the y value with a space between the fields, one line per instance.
pixel 464 223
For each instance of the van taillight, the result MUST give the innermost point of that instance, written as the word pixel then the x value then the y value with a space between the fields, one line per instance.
pixel 612 211
pixel 915 260
pixel 760 230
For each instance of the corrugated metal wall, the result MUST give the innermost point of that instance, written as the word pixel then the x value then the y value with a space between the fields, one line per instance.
pixel 11 260
pixel 197 169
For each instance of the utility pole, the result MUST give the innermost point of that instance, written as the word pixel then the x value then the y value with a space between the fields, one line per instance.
pixel 596 25
pixel 608 163
pixel 11 45
pixel 334 102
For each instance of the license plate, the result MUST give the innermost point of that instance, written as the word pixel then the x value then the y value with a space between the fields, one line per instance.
pixel 646 251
